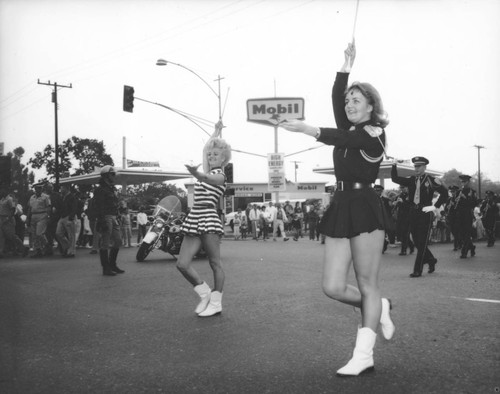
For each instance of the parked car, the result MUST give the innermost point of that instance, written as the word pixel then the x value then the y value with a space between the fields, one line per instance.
pixel 229 218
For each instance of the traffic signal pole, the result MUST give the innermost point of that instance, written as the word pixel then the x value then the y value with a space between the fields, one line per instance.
pixel 56 148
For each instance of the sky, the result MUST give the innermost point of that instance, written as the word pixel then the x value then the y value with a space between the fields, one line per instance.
pixel 435 63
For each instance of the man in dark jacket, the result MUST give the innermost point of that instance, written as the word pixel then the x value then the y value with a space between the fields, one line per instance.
pixel 105 206
pixel 489 212
pixel 466 201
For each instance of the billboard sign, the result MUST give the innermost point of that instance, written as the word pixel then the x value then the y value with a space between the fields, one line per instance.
pixel 273 111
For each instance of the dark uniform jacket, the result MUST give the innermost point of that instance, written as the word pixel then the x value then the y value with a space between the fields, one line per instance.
pixel 68 206
pixel 105 201
pixel 353 144
pixel 428 185
pixel 466 201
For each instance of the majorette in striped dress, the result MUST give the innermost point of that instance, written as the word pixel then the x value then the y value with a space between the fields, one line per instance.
pixel 203 218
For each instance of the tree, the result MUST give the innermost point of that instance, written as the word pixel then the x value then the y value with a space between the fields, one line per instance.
pixel 451 178
pixel 89 153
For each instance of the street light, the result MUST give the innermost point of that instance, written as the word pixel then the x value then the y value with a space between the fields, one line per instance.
pixel 479 147
pixel 163 62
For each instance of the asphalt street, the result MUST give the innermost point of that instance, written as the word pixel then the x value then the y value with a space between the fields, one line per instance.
pixel 65 328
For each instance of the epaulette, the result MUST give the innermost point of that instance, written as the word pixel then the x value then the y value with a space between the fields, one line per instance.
pixel 373 131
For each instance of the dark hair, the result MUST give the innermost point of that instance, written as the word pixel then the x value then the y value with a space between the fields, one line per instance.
pixel 378 115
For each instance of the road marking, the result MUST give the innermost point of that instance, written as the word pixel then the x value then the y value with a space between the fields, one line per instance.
pixel 479 300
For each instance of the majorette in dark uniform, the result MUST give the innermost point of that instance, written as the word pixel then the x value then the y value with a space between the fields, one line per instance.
pixel 451 216
pixel 466 203
pixel 357 155
pixel 421 192
pixel 203 218
pixel 489 212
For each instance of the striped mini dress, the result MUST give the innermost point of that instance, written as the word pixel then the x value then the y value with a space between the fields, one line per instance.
pixel 203 218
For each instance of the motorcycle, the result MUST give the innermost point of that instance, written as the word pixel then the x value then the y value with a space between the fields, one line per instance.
pixel 164 233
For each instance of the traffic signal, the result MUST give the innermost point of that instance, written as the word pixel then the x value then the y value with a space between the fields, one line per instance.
pixel 228 170
pixel 128 98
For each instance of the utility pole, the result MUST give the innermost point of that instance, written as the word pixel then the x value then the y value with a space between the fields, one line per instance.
pixel 295 166
pixel 56 148
pixel 479 147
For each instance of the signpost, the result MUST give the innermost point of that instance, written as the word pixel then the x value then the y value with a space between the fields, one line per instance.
pixel 272 112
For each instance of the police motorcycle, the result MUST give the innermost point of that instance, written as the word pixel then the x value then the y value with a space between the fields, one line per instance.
pixel 164 233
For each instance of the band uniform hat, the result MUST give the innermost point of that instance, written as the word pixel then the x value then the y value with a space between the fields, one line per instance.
pixel 39 184
pixel 453 188
pixel 378 187
pixel 419 161
pixel 107 169
pixel 465 178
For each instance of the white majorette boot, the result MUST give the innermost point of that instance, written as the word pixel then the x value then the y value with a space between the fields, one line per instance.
pixel 203 291
pixel 386 323
pixel 362 356
pixel 214 306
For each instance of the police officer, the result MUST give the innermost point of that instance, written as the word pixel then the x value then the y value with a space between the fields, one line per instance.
pixel 39 209
pixel 451 216
pixel 421 188
pixel 489 212
pixel 106 210
pixel 466 202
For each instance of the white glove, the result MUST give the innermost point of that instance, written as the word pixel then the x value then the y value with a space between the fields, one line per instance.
pixel 430 208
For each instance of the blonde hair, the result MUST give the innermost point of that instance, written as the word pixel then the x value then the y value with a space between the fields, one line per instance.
pixel 216 143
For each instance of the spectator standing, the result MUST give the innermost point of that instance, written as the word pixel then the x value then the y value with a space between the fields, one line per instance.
pixel 142 222
pixel 467 200
pixel 237 224
pixel 296 226
pixel 96 236
pixel 55 215
pixel 65 233
pixel 39 209
pixel 312 220
pixel 244 225
pixel 279 220
pixel 489 211
pixel 8 237
pixel 254 220
pixel 125 225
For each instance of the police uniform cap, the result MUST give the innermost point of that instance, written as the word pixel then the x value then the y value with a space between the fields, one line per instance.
pixel 378 187
pixel 39 184
pixel 107 169
pixel 465 177
pixel 419 160
pixel 490 192
pixel 453 187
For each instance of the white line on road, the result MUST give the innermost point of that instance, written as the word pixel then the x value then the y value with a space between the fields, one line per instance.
pixel 479 300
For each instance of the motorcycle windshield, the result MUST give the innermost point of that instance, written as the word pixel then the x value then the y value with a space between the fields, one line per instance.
pixel 168 205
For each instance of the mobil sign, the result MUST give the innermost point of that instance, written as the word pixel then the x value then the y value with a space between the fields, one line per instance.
pixel 273 111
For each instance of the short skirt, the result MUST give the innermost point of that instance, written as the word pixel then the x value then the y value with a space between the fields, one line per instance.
pixel 202 220
pixel 353 212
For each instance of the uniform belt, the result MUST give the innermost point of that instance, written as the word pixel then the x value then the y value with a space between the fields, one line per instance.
pixel 343 186
pixel 34 213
